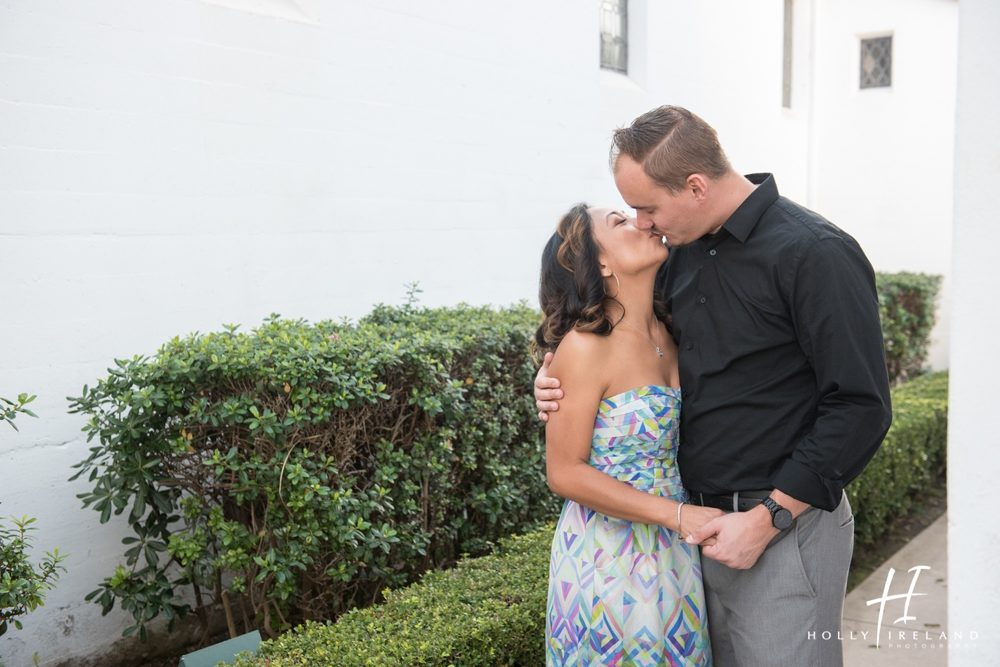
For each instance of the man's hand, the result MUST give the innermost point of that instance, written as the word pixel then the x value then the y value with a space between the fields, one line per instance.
pixel 693 517
pixel 547 391
pixel 740 537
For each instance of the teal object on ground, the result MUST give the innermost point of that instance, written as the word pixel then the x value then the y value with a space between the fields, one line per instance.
pixel 225 651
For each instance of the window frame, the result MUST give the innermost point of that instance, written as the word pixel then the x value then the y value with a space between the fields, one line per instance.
pixel 870 81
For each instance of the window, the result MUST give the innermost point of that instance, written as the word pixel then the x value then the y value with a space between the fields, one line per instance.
pixel 876 62
pixel 614 35
pixel 786 68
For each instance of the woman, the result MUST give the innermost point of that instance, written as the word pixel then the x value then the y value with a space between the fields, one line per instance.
pixel 624 588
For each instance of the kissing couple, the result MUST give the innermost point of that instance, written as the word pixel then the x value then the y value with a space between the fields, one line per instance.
pixel 714 375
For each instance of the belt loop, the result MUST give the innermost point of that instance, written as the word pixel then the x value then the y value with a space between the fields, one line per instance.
pixel 736 501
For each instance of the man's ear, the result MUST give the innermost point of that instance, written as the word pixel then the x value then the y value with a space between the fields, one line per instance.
pixel 698 186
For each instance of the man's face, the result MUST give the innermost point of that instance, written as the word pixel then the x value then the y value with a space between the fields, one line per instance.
pixel 675 216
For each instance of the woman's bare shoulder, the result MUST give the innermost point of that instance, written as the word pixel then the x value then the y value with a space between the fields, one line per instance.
pixel 580 352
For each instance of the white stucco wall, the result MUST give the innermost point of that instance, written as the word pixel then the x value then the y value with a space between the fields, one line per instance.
pixel 170 167
pixel 973 442
pixel 883 162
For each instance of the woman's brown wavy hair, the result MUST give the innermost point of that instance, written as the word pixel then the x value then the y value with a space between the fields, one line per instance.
pixel 572 290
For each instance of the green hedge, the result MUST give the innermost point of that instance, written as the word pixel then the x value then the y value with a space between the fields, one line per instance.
pixel 911 457
pixel 296 471
pixel 486 612
pixel 907 304
pixel 491 610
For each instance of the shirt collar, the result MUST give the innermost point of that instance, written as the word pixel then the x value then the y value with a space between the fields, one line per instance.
pixel 745 217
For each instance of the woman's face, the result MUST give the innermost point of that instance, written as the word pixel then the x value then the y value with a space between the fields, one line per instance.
pixel 626 249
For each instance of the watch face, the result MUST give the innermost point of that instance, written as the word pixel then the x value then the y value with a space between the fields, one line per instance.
pixel 782 519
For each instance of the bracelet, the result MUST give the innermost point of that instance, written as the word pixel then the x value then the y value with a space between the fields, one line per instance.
pixel 679 506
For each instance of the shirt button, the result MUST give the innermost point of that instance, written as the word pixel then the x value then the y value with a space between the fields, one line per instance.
pixel 689 345
pixel 712 252
pixel 702 300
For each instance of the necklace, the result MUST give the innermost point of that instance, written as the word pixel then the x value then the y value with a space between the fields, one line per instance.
pixel 659 352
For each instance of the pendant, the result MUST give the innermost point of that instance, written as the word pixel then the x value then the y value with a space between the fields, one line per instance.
pixel 659 351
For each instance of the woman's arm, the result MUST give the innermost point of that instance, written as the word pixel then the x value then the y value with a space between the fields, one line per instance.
pixel 579 363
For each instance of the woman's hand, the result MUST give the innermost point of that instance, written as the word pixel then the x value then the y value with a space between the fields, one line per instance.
pixel 547 391
pixel 693 517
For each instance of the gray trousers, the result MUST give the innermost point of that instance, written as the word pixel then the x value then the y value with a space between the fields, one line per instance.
pixel 776 613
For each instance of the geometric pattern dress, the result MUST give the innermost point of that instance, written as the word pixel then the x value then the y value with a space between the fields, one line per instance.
pixel 622 592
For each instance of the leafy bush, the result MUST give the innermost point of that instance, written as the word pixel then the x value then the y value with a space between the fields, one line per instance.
pixel 22 587
pixel 491 610
pixel 907 302
pixel 487 611
pixel 911 457
pixel 10 409
pixel 296 471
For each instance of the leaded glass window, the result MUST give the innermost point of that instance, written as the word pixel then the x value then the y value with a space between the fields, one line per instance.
pixel 614 35
pixel 876 62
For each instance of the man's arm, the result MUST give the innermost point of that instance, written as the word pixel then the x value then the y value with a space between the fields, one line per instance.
pixel 834 306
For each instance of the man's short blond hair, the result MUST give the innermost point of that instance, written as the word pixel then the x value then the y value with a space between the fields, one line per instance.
pixel 671 143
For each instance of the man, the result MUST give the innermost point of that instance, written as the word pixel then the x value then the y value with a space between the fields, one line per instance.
pixel 784 385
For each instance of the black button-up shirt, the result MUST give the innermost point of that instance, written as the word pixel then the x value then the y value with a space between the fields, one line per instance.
pixel 782 364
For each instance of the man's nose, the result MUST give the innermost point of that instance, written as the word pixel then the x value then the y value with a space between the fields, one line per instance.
pixel 643 221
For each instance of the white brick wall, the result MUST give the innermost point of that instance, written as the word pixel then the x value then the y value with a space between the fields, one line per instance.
pixel 172 166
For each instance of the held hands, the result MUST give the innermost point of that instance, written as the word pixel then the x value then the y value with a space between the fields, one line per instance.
pixel 740 537
pixel 547 391
pixel 694 518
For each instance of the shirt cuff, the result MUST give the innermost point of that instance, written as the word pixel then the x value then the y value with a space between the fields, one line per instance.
pixel 802 483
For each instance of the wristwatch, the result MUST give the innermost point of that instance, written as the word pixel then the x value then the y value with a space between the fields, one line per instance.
pixel 780 517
